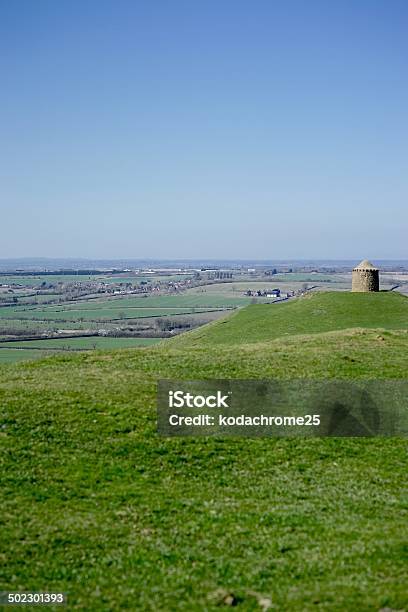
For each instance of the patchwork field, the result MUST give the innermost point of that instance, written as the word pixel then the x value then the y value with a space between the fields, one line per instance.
pixel 103 313
pixel 110 314
pixel 33 280
pixel 95 504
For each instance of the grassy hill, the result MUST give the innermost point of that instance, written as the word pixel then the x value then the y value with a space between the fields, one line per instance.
pixel 313 313
pixel 95 504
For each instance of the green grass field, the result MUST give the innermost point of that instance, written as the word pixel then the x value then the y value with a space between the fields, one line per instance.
pixel 183 300
pixel 96 504
pixel 12 355
pixel 83 343
pixel 30 326
pixel 312 313
pixel 87 314
pixel 109 313
pixel 118 308
pixel 11 352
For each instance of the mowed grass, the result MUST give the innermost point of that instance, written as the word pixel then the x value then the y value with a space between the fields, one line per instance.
pixel 96 504
pixel 312 313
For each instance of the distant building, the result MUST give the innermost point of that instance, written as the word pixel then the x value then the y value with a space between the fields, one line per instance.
pixel 365 277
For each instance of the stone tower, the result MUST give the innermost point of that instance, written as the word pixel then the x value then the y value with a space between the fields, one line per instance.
pixel 365 277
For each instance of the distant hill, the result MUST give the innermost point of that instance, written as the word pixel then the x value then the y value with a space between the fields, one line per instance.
pixel 310 314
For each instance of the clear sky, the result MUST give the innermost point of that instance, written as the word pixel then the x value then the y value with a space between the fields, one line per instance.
pixel 216 128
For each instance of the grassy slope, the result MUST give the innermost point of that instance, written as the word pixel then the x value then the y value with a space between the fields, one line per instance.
pixel 11 352
pixel 12 355
pixel 97 505
pixel 313 313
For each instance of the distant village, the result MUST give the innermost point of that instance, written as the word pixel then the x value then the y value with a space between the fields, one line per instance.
pixel 151 281
pixel 269 293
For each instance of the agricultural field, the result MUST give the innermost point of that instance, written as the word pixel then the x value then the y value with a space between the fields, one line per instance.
pixel 29 297
pixel 97 505
pixel 183 300
pixel 35 349
pixel 104 313
pixel 152 315
pixel 112 309
pixel 82 343
pixel 36 281
pixel 29 327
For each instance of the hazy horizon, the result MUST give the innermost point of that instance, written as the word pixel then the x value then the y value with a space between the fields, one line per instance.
pixel 43 263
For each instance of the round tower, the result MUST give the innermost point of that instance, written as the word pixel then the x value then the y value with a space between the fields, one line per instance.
pixel 365 277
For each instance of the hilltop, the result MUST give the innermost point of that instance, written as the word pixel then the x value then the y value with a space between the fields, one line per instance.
pixel 311 314
pixel 97 505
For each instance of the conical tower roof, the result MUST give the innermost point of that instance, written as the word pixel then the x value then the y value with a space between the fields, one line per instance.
pixel 365 265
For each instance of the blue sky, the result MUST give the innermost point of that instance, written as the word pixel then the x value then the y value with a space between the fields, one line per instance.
pixel 222 129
